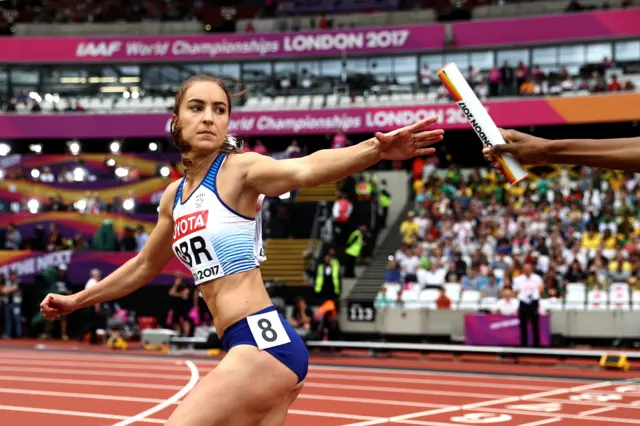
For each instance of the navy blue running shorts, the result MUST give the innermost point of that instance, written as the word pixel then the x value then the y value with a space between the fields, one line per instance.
pixel 268 330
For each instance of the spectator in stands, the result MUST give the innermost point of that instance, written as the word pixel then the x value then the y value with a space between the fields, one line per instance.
pixel 128 241
pixel 393 274
pixel 11 301
pixel 302 316
pixel 328 279
pixel 621 271
pixel 410 264
pixel 141 237
pixel 409 229
pixel 507 305
pixel 491 290
pixel 614 85
pixel 443 301
pixel 382 298
pixel 434 277
pixel 13 238
pixel 575 273
pixel 426 76
pixel 476 280
pixel 552 288
pixel 54 241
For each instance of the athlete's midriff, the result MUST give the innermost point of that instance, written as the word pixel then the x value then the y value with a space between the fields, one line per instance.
pixel 234 297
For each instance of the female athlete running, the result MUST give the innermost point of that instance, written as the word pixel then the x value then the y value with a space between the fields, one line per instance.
pixel 206 219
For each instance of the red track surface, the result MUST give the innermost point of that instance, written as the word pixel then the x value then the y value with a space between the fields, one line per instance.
pixel 89 389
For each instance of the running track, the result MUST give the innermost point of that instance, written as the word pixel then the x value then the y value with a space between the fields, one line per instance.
pixel 84 389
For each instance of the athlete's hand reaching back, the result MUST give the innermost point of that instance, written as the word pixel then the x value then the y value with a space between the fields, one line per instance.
pixel 410 141
pixel 526 148
pixel 55 305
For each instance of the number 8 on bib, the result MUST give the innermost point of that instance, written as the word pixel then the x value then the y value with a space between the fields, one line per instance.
pixel 267 330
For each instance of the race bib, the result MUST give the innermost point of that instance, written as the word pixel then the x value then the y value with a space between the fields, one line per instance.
pixel 267 330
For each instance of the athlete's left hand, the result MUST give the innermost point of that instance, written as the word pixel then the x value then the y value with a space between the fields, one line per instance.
pixel 410 141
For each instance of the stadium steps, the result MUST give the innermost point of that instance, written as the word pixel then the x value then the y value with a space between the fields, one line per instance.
pixel 285 261
pixel 372 278
pixel 325 192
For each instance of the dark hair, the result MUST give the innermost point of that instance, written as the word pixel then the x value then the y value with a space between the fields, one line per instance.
pixel 231 144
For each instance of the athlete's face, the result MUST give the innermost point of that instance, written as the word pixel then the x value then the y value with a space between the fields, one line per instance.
pixel 203 118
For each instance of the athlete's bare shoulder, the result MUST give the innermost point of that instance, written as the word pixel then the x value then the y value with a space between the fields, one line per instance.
pixel 168 196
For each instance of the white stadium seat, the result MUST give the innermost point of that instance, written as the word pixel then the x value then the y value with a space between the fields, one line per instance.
pixel 597 300
pixel 428 298
pixel 575 297
pixel 619 297
pixel 469 300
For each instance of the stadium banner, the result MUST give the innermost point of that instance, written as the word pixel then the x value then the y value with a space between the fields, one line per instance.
pixel 421 38
pixel 80 263
pixel 498 330
pixel 603 108
pixel 145 164
pixel 144 191
pixel 71 224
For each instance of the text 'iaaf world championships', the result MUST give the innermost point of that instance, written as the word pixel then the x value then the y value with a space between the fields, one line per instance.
pixel 244 45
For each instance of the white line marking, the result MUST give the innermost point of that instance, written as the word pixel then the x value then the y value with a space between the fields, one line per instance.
pixel 195 376
pixel 397 390
pixel 370 401
pixel 378 378
pixel 86 382
pixel 160 360
pixel 596 411
pixel 541 422
pixel 334 415
pixel 484 404
pixel 76 372
pixel 73 413
pixel 102 366
pixel 82 395
pixel 560 415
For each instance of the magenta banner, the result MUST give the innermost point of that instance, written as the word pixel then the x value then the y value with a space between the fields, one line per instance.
pixel 561 28
pixel 30 263
pixel 221 46
pixel 498 330
pixel 245 123
pixel 423 38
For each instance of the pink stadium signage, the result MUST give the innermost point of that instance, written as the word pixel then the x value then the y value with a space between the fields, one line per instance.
pixel 486 33
pixel 508 113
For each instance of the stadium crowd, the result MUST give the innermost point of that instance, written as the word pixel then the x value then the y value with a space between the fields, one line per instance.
pixel 575 225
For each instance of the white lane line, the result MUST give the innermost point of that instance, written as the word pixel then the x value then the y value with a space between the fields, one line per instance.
pixel 86 382
pixel 73 413
pixel 484 404
pixel 473 384
pixel 195 376
pixel 103 366
pixel 77 372
pixel 596 411
pixel 541 422
pixel 81 395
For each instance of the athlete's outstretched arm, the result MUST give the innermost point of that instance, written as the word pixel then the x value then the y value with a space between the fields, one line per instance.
pixel 276 177
pixel 146 265
pixel 617 154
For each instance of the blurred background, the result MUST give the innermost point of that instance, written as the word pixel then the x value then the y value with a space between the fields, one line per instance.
pixel 423 251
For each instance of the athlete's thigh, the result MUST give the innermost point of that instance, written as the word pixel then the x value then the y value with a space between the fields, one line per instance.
pixel 278 414
pixel 244 387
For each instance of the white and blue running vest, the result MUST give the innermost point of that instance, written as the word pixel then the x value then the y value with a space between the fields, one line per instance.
pixel 209 238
